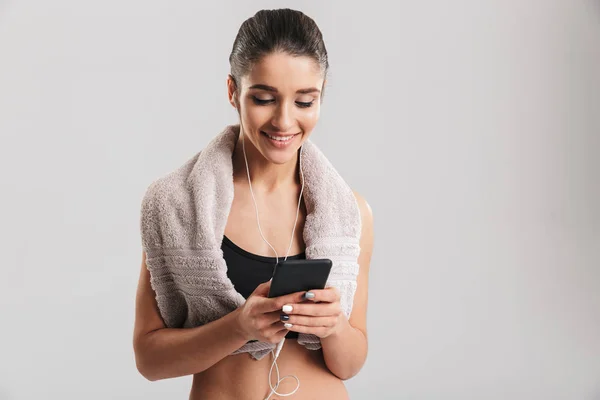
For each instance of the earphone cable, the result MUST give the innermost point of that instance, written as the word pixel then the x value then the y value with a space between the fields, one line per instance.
pixel 280 345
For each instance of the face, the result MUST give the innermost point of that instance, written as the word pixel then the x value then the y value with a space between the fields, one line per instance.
pixel 279 104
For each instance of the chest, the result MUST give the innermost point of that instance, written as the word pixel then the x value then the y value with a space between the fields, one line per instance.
pixel 276 213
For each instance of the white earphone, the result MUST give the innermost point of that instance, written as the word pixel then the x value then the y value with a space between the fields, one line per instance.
pixel 280 344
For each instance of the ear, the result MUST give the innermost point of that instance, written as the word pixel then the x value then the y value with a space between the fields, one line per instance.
pixel 231 91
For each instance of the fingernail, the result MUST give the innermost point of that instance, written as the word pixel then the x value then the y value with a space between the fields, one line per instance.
pixel 287 326
pixel 284 317
pixel 287 308
pixel 309 295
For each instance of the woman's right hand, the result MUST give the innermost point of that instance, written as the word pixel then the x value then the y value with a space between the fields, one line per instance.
pixel 259 317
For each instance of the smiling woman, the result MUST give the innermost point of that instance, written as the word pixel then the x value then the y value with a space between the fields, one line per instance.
pixel 205 242
pixel 278 113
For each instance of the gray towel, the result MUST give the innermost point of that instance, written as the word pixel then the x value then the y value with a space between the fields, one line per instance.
pixel 182 222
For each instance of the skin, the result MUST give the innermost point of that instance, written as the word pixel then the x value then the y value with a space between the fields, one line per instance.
pixel 276 186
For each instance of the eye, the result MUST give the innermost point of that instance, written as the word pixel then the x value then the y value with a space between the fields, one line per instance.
pixel 261 101
pixel 304 105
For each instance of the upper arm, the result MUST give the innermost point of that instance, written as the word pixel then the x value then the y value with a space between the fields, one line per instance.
pixel 358 317
pixel 147 315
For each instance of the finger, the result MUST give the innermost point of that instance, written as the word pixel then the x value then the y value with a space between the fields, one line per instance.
pixel 315 310
pixel 329 295
pixel 269 319
pixel 263 288
pixel 273 317
pixel 312 321
pixel 277 303
pixel 320 331
pixel 277 331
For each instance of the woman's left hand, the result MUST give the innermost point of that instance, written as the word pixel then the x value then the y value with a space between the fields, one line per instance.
pixel 321 315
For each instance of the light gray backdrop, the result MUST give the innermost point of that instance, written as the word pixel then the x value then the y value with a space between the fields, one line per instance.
pixel 471 127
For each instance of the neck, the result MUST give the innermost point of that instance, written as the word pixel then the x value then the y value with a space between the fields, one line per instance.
pixel 265 175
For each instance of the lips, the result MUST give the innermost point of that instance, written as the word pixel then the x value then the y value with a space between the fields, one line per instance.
pixel 279 135
pixel 278 140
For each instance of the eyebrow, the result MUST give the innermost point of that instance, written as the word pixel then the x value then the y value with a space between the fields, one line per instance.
pixel 274 90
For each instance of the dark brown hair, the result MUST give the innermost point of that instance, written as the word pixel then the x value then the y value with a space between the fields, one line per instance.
pixel 280 30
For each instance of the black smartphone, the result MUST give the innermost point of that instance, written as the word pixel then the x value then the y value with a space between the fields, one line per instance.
pixel 291 276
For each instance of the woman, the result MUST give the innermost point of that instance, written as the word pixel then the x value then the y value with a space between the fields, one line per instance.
pixel 278 73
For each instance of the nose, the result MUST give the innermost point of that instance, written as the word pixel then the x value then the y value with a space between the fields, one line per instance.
pixel 283 119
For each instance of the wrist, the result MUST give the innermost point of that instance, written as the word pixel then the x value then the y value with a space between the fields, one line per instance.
pixel 340 329
pixel 237 326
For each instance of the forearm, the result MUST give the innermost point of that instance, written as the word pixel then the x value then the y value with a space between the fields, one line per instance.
pixel 170 352
pixel 345 351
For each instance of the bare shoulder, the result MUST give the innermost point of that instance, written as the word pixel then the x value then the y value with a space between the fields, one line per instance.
pixel 358 317
pixel 366 213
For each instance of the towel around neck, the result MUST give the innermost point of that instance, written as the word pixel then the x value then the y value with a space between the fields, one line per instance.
pixel 182 223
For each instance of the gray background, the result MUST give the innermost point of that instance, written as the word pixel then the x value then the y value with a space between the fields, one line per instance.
pixel 471 127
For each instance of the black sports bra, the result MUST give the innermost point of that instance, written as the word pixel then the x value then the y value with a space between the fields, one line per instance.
pixel 247 270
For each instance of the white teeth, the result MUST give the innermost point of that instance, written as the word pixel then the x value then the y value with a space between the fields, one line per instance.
pixel 279 139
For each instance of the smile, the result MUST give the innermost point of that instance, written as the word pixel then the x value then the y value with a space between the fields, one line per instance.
pixel 280 142
pixel 279 138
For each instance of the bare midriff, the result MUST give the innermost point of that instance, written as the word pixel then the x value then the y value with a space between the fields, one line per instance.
pixel 242 377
